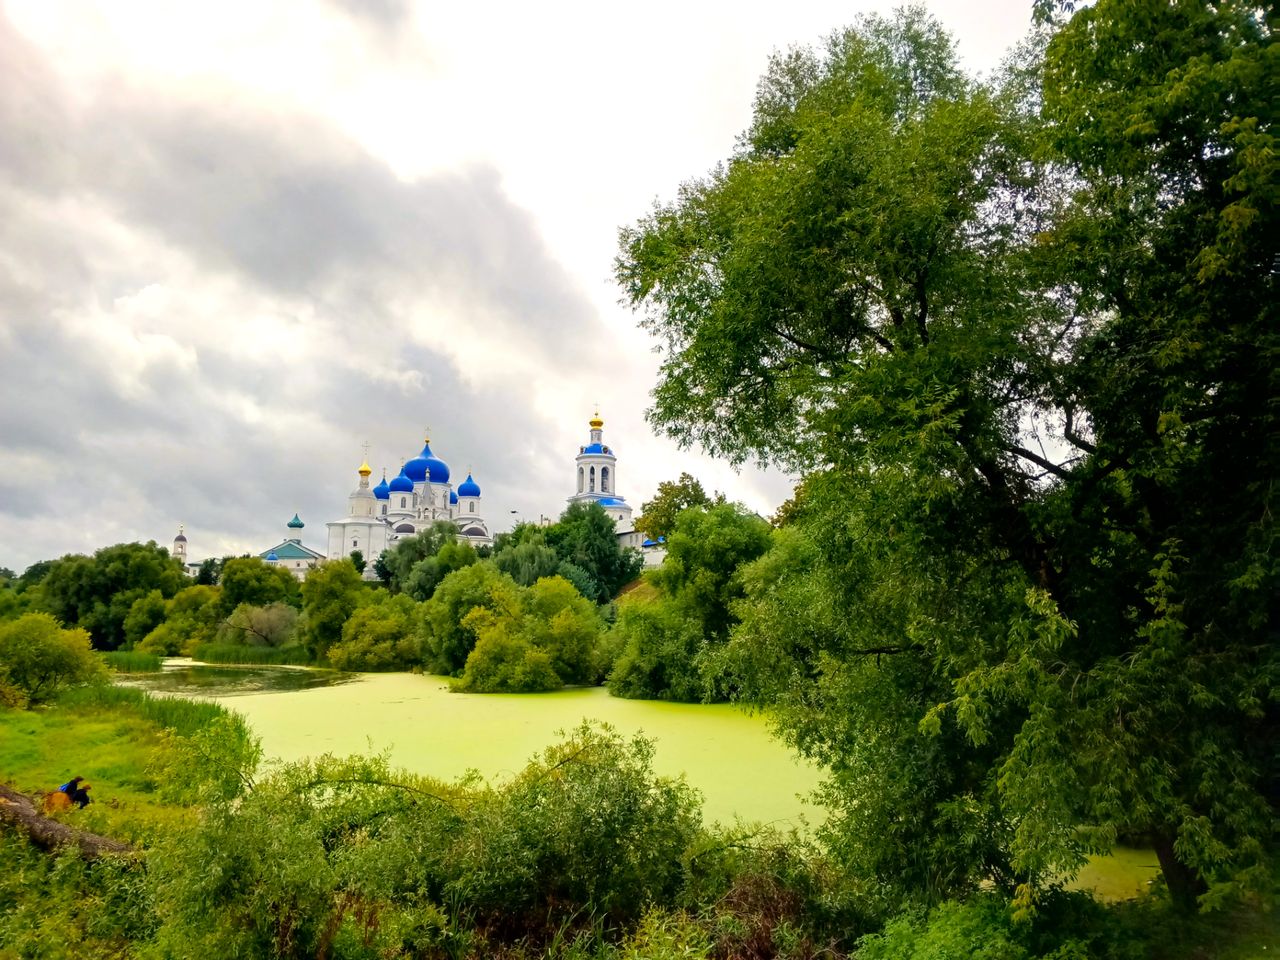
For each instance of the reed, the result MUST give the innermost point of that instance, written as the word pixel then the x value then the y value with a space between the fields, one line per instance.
pixel 184 717
pixel 235 653
pixel 132 661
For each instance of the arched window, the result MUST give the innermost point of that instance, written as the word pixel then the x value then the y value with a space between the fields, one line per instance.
pixel 472 506
pixel 604 479
pixel 384 509
pixel 579 479
pixel 402 503
pixel 592 487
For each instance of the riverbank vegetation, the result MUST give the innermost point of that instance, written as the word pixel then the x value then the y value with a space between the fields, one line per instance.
pixel 1018 336
pixel 583 853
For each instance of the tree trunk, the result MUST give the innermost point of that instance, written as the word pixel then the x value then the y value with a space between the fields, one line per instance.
pixel 50 834
pixel 1185 884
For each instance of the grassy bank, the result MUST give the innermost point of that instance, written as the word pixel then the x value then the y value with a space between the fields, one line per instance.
pixel 233 653
pixel 132 661
pixel 120 740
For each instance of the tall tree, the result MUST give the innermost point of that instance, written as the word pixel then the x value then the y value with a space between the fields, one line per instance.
pixel 658 516
pixel 97 592
pixel 257 583
pixel 587 537
pixel 1036 353
pixel 399 561
pixel 330 594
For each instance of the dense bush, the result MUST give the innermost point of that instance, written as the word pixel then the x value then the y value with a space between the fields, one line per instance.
pixel 67 907
pixel 447 636
pixel 380 635
pixel 658 647
pixel 350 858
pixel 544 639
pixel 503 660
pixel 191 618
pixel 38 658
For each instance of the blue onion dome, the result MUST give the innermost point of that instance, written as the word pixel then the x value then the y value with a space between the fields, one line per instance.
pixel 468 488
pixel 437 469
pixel 402 483
pixel 453 499
pixel 416 469
pixel 611 502
pixel 596 448
pixel 382 491
pixel 427 466
pixel 295 523
pixel 271 557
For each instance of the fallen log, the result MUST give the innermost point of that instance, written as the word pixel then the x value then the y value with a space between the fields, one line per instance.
pixel 49 834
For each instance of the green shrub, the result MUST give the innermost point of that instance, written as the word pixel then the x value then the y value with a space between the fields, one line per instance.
pixel 667 935
pixel 586 826
pixel 447 640
pixel 379 635
pixel 63 906
pixel 191 618
pixel 658 659
pixel 505 662
pixel 348 857
pixel 1067 926
pixel 39 658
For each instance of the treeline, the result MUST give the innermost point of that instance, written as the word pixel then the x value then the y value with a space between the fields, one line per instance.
pixel 530 614
pixel 537 611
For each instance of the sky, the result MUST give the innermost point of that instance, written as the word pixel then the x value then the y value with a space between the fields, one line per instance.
pixel 238 241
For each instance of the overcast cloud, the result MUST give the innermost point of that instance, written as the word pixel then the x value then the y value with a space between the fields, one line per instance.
pixel 235 248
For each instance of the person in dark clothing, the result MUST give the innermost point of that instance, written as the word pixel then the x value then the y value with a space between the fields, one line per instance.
pixel 77 790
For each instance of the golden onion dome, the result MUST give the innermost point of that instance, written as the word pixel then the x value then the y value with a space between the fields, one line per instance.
pixel 365 469
pixel 596 422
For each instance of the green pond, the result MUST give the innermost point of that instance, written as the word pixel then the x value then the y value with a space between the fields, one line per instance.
pixel 727 754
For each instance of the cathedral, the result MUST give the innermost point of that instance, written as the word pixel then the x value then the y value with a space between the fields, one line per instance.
pixel 419 495
pixel 423 492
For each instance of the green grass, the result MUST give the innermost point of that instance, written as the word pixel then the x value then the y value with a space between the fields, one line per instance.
pixel 117 739
pixel 229 653
pixel 639 590
pixel 132 661
pixel 114 750
pixel 1123 874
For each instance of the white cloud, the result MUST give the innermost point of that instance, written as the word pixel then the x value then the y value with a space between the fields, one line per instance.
pixel 237 240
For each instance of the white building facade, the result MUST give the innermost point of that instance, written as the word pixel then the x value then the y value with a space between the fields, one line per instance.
pixel 422 493
pixel 596 477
